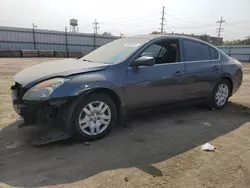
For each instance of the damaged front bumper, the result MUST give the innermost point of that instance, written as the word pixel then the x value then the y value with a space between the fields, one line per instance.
pixel 36 111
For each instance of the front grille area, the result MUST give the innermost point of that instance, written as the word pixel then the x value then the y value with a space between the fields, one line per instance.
pixel 19 90
pixel 17 94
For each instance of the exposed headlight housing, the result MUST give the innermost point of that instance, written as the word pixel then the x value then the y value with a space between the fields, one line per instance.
pixel 43 90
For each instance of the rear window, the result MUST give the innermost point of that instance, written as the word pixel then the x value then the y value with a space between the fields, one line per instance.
pixel 195 51
pixel 214 53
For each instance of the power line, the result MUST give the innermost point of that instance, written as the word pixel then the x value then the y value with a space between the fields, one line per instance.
pixel 220 29
pixel 137 16
pixel 162 19
pixel 239 25
pixel 180 12
pixel 234 30
pixel 184 20
pixel 239 22
pixel 148 17
pixel 135 25
pixel 139 22
pixel 194 27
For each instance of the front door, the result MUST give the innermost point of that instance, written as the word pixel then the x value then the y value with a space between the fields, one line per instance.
pixel 149 86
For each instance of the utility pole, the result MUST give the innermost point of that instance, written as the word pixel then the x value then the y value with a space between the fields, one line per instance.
pixel 66 41
pixel 220 30
pixel 95 27
pixel 162 19
pixel 34 37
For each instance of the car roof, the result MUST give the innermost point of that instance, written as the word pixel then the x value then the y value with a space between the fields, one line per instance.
pixel 167 36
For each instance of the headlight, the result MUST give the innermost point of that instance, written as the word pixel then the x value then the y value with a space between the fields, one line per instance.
pixel 43 90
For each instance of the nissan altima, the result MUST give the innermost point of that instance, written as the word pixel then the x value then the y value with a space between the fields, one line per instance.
pixel 87 96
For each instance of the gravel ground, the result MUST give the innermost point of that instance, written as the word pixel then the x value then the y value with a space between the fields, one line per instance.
pixel 162 148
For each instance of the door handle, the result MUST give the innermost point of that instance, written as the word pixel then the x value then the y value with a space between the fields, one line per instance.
pixel 216 67
pixel 177 73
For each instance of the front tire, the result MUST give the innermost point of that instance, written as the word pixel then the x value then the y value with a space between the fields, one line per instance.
pixel 221 94
pixel 94 117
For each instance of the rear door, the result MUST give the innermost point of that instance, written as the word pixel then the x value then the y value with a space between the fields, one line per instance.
pixel 202 68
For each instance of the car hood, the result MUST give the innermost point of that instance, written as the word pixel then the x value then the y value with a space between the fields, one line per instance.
pixel 56 68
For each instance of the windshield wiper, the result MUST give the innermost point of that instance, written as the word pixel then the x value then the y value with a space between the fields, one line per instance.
pixel 87 60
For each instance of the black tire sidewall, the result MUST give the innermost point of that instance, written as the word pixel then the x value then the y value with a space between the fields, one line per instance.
pixel 214 104
pixel 86 100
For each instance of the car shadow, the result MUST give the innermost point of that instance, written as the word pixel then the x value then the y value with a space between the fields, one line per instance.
pixel 151 137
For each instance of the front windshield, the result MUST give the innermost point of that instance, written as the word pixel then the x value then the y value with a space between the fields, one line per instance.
pixel 115 51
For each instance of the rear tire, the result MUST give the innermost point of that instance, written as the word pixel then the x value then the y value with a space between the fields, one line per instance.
pixel 221 94
pixel 94 116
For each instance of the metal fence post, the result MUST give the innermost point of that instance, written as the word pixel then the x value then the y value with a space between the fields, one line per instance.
pixel 230 48
pixel 94 40
pixel 34 37
pixel 66 41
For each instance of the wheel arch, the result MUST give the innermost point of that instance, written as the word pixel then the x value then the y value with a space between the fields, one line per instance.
pixel 229 79
pixel 109 92
pixel 66 113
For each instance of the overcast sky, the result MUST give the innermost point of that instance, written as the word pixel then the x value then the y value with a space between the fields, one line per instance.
pixel 131 17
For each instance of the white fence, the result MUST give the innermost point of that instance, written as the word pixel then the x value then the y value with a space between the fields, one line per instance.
pixel 241 53
pixel 12 38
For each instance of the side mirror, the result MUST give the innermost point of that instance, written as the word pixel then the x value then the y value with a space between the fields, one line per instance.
pixel 143 61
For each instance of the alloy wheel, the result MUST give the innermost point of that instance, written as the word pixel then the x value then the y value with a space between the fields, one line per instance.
pixel 221 94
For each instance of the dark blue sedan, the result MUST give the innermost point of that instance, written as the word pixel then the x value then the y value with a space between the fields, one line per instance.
pixel 87 96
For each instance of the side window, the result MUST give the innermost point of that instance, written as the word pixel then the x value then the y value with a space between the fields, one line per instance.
pixel 214 53
pixel 195 51
pixel 154 51
pixel 164 51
